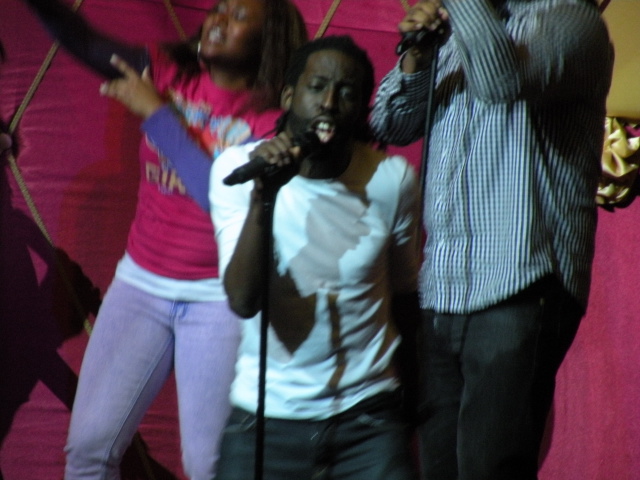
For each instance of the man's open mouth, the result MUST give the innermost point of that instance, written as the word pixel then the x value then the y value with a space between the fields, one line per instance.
pixel 324 130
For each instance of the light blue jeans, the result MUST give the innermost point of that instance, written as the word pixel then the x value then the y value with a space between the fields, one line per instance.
pixel 136 342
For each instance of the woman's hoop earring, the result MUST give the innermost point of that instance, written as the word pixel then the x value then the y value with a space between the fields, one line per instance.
pixel 198 51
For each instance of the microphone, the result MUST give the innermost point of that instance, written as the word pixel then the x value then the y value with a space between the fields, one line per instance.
pixel 307 141
pixel 419 38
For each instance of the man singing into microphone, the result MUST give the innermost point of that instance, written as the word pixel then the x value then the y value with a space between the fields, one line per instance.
pixel 510 215
pixel 344 246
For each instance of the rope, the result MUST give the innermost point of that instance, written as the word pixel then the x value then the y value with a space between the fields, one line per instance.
pixel 327 19
pixel 37 218
pixel 174 19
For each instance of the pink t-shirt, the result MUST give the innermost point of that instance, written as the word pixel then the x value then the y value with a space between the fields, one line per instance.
pixel 171 235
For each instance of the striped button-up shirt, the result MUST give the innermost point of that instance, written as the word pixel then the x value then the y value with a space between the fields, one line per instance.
pixel 515 148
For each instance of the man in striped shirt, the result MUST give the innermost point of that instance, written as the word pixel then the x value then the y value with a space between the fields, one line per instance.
pixel 509 211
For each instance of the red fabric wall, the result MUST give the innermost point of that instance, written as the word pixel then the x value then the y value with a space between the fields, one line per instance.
pixel 77 154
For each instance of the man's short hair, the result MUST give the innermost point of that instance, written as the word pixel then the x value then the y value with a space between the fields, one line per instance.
pixel 341 43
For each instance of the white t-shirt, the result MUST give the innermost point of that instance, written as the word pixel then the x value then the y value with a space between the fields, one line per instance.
pixel 342 248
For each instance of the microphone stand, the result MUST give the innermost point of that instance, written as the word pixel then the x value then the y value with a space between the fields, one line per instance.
pixel 428 122
pixel 407 348
pixel 270 190
pixel 410 40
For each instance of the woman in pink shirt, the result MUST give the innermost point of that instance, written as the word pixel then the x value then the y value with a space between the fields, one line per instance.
pixel 166 309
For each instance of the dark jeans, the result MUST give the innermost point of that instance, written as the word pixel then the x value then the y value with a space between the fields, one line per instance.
pixel 369 441
pixel 487 384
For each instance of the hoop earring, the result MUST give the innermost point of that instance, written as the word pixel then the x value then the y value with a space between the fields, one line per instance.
pixel 198 50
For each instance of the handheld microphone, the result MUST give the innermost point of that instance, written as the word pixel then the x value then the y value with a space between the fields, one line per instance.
pixel 258 167
pixel 419 38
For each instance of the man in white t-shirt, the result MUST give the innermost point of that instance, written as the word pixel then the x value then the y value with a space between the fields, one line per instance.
pixel 345 248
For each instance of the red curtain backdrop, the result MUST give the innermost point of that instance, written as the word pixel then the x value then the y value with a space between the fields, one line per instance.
pixel 77 154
